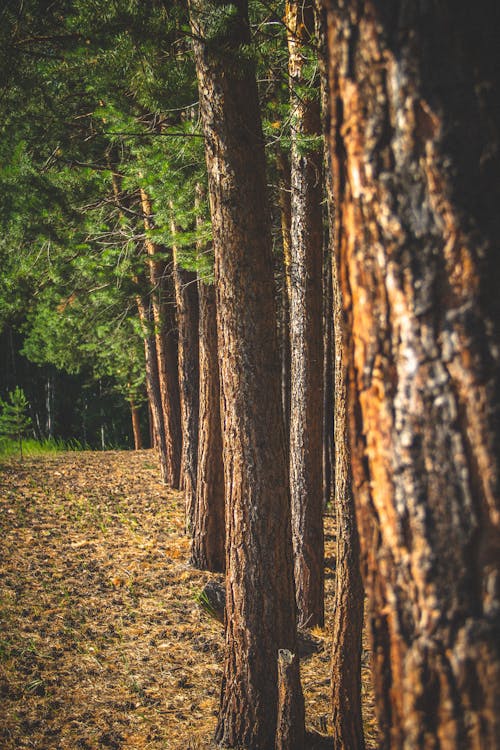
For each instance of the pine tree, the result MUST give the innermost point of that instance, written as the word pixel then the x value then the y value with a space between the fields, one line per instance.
pixel 14 420
pixel 306 334
pixel 415 123
pixel 260 609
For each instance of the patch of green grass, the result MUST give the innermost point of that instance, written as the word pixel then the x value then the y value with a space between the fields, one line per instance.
pixel 32 448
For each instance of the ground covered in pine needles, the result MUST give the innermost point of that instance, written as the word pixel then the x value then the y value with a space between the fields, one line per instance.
pixel 102 642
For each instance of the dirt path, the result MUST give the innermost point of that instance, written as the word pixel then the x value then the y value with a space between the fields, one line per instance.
pixel 102 644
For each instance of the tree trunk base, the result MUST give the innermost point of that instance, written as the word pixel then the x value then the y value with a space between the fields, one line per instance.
pixel 290 729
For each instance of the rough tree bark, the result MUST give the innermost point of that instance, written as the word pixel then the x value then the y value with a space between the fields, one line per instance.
pixel 328 367
pixel 186 297
pixel 284 193
pixel 153 382
pixel 208 524
pixel 306 316
pixel 163 299
pixel 349 595
pixel 260 606
pixel 415 131
pixel 291 718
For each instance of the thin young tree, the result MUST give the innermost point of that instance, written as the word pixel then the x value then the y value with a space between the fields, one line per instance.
pixel 14 419
pixel 260 597
pixel 415 130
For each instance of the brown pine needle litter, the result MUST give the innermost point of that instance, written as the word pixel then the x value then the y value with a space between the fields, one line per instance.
pixel 102 642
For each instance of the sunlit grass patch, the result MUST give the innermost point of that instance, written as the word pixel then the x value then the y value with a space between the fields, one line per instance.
pixel 32 448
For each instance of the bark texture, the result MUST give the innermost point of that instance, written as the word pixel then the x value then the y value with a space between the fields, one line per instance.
pixel 306 315
pixel 163 300
pixel 290 733
pixel 153 383
pixel 349 595
pixel 186 296
pixel 208 525
pixel 284 193
pixel 260 597
pixel 328 367
pixel 415 125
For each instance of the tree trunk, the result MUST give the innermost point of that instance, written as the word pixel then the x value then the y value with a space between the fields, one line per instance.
pixel 153 381
pixel 152 436
pixel 136 424
pixel 153 384
pixel 186 295
pixel 328 260
pixel 415 124
pixel 328 367
pixel 306 417
pixel 291 719
pixel 49 405
pixel 260 609
pixel 284 193
pixel 349 595
pixel 163 298
pixel 208 524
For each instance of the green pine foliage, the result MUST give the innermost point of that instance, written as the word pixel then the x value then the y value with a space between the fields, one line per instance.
pixel 93 95
pixel 14 419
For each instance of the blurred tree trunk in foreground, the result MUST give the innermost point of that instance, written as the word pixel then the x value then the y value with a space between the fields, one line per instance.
pixel 414 141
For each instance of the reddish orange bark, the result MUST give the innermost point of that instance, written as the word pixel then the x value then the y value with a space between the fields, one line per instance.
pixel 415 126
pixel 260 597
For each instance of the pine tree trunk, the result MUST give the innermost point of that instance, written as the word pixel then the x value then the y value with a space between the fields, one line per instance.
pixel 260 598
pixel 349 594
pixel 329 222
pixel 291 719
pixel 186 295
pixel 284 193
pixel 415 124
pixel 348 603
pixel 328 387
pixel 153 384
pixel 163 299
pixel 146 317
pixel 152 436
pixel 208 522
pixel 136 425
pixel 306 315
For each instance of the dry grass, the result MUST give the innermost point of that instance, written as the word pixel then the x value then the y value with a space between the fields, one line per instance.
pixel 102 644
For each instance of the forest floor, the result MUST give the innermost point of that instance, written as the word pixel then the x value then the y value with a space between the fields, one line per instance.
pixel 102 643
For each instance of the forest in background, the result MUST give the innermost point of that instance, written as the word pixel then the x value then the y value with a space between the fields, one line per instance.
pixel 269 230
